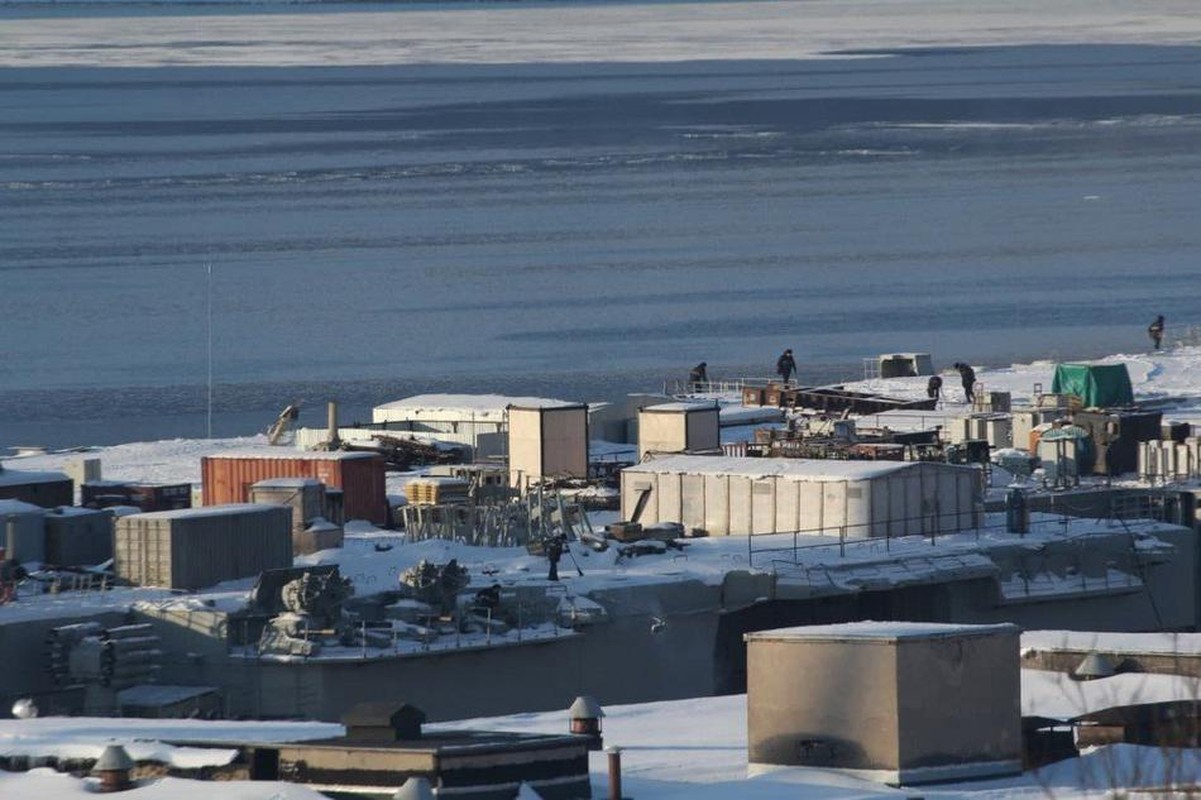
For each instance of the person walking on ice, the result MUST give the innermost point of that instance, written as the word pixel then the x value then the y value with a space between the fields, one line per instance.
pixel 785 366
pixel 1155 331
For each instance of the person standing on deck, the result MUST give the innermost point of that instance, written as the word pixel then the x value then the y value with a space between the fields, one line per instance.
pixel 934 387
pixel 1155 331
pixel 698 378
pixel 785 366
pixel 968 376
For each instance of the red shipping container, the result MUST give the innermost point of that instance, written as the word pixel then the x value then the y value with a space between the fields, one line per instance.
pixel 360 476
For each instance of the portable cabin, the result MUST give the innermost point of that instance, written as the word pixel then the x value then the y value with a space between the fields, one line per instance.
pixel 674 427
pixel 548 440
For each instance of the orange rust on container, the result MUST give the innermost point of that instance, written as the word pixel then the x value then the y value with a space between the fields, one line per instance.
pixel 360 476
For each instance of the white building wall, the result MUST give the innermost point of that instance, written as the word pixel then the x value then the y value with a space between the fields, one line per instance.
pixel 915 499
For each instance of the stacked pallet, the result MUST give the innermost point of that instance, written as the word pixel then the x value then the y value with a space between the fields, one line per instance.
pixel 436 491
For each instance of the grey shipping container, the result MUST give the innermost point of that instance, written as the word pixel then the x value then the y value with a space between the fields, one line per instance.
pixel 199 547
pixel 22 531
pixel 78 536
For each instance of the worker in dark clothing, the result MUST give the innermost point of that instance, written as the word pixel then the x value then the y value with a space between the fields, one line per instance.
pixel 554 551
pixel 968 376
pixel 1155 331
pixel 698 378
pixel 785 366
pixel 934 387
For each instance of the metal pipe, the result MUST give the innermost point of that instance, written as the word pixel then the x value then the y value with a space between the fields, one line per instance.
pixel 614 754
pixel 333 423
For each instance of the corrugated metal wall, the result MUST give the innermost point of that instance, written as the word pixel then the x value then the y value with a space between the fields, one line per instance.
pixel 179 551
pixel 360 476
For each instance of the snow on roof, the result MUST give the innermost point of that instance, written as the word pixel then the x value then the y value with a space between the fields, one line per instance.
pixel 1057 696
pixel 1176 644
pixel 153 694
pixel 481 406
pixel 76 511
pixel 797 468
pixel 697 748
pixel 13 477
pixel 879 631
pixel 145 739
pixel 676 408
pixel 289 454
pixel 10 506
pixel 226 510
pixel 44 783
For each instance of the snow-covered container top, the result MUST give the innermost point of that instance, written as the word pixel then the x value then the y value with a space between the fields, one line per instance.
pixel 13 477
pixel 680 407
pixel 224 510
pixel 479 407
pixel 288 454
pixel 805 469
pixel 9 506
pixel 880 631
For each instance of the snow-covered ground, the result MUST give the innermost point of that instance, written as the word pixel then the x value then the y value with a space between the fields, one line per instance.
pixel 583 32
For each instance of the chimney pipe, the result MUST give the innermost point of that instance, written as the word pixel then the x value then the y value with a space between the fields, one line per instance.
pixel 614 772
pixel 334 441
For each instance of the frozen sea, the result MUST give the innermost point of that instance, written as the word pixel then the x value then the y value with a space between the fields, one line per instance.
pixel 572 200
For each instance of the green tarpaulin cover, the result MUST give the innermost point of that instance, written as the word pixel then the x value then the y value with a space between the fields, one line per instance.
pixel 1098 385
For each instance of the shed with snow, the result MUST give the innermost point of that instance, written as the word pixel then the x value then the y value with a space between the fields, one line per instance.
pixel 859 499
pixel 479 421
pixel 674 427
pixel 906 702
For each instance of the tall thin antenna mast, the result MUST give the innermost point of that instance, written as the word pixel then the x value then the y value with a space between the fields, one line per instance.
pixel 209 293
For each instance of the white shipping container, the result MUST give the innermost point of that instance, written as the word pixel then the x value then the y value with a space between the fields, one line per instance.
pixel 740 496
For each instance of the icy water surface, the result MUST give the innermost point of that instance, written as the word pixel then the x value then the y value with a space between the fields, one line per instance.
pixel 575 230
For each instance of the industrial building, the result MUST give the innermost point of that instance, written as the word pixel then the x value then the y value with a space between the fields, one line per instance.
pixel 727 496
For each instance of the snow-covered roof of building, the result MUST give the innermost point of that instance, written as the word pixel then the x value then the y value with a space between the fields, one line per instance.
pixel 9 506
pixel 879 631
pixel 154 694
pixel 680 407
pixel 225 510
pixel 797 468
pixel 290 454
pixel 16 477
pixel 75 511
pixel 1132 643
pixel 482 407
